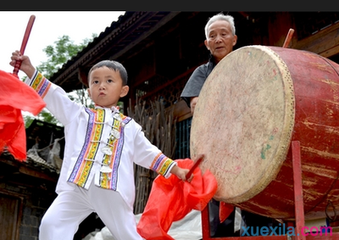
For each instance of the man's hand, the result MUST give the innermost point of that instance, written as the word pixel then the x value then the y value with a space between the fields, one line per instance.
pixel 193 102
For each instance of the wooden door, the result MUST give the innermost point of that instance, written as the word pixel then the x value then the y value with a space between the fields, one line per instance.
pixel 10 216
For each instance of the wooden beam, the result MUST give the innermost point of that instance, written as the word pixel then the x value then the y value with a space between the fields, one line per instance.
pixel 324 42
pixel 37 174
pixel 28 170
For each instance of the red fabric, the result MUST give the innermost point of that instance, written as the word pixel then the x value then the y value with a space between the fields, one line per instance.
pixel 225 210
pixel 172 199
pixel 15 96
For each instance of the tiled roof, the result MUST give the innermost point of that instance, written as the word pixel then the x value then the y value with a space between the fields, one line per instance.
pixel 41 160
pixel 32 166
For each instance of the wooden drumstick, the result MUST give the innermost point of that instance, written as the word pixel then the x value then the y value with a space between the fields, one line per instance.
pixel 195 165
pixel 24 43
pixel 288 38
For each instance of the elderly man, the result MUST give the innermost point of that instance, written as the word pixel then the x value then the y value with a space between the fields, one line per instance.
pixel 220 40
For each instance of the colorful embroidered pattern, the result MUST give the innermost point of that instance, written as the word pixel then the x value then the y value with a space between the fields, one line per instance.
pixel 85 161
pixel 161 164
pixel 109 180
pixel 106 178
pixel 40 84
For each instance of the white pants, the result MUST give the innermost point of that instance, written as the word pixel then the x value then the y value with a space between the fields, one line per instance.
pixel 70 208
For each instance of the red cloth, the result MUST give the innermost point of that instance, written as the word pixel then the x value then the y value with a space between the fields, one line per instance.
pixel 172 199
pixel 225 210
pixel 15 96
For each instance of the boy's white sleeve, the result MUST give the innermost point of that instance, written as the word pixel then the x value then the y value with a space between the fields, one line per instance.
pixel 56 99
pixel 150 156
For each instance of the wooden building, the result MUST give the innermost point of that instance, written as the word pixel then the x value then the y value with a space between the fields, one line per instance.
pixel 160 50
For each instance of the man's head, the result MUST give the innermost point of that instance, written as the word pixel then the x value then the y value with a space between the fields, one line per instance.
pixel 107 81
pixel 220 35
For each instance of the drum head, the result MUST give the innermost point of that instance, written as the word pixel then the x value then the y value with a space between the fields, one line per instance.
pixel 243 122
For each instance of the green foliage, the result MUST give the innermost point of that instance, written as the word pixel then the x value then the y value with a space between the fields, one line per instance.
pixel 28 119
pixel 44 116
pixel 59 53
pixel 81 96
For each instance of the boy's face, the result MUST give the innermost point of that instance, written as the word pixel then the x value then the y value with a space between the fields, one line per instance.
pixel 105 87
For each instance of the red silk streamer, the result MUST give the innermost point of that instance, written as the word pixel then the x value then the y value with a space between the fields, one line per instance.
pixel 15 96
pixel 172 199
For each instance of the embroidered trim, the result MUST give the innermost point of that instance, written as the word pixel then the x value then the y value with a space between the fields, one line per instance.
pixel 115 143
pixel 162 164
pixel 40 84
pixel 82 168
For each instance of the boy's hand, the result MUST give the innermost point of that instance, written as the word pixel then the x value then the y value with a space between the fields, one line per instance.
pixel 26 65
pixel 181 173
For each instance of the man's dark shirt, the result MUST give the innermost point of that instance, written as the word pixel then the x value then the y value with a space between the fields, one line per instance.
pixel 197 80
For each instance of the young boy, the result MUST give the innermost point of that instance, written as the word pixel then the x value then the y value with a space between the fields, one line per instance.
pixel 101 146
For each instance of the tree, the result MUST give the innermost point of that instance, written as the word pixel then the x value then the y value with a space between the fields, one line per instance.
pixel 63 50
pixel 58 54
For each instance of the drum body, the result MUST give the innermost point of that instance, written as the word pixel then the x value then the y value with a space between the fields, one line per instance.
pixel 254 103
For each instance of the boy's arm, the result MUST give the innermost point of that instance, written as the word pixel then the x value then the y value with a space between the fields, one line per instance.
pixel 30 71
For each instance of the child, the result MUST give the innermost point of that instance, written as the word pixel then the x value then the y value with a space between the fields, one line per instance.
pixel 101 146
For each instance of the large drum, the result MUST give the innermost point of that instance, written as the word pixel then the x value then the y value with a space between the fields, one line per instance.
pixel 254 103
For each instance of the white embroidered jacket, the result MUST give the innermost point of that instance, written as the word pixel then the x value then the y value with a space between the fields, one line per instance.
pixel 101 144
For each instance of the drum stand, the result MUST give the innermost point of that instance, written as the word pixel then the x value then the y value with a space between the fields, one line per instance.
pixel 299 211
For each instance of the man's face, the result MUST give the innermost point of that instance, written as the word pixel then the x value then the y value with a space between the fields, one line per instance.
pixel 105 87
pixel 220 40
